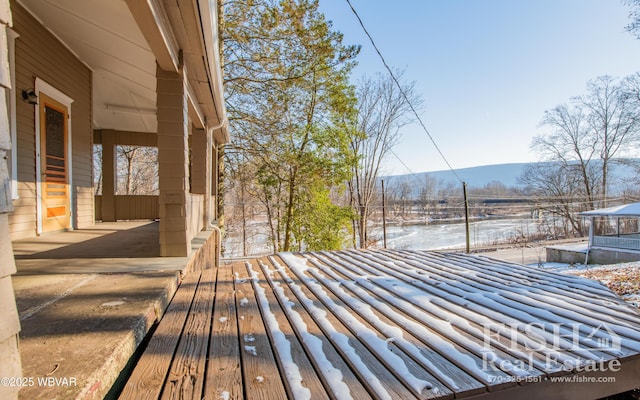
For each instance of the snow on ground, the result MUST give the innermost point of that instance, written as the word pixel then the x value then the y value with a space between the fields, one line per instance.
pixel 623 279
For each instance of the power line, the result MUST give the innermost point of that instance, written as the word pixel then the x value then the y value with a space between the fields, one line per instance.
pixel 405 165
pixel 403 92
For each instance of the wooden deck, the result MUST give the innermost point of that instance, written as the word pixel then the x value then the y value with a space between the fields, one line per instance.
pixel 387 325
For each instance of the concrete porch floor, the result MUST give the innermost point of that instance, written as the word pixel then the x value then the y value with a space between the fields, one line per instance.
pixel 86 299
pixel 107 247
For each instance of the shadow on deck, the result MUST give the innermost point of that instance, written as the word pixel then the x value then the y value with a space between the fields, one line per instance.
pixel 87 298
pixel 388 324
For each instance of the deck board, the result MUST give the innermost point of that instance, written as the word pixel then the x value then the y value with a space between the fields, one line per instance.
pixel 261 377
pixel 381 325
pixel 335 373
pixel 381 319
pixel 292 358
pixel 371 370
pixel 224 374
pixel 147 379
pixel 186 377
pixel 391 307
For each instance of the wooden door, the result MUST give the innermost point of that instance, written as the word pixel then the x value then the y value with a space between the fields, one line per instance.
pixel 54 166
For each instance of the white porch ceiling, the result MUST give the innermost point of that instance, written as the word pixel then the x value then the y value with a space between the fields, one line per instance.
pixel 104 35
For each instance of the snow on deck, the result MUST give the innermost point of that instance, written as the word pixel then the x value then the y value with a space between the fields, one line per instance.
pixel 437 325
pixel 392 325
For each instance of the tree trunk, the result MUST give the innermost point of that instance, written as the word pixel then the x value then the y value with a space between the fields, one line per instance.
pixel 363 227
pixel 286 246
pixel 605 171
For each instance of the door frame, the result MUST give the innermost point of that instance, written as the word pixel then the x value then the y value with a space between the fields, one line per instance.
pixel 57 95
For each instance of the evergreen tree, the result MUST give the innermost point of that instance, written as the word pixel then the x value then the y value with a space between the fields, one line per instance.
pixel 286 76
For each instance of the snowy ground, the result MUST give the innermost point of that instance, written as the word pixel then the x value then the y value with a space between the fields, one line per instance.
pixel 623 279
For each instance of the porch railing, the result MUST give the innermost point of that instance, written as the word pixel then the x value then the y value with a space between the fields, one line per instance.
pixel 629 242
pixel 129 208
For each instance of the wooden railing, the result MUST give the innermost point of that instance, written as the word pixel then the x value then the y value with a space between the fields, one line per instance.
pixel 132 208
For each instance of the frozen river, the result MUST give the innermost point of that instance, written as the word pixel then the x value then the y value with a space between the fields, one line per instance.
pixel 450 236
pixel 410 237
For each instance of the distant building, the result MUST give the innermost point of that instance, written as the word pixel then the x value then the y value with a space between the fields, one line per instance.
pixel 614 234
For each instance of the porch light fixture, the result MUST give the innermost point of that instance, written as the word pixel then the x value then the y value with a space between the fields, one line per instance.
pixel 30 96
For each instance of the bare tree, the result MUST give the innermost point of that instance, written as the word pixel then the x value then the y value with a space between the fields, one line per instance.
pixel 631 86
pixel 569 141
pixel 127 154
pixel 242 205
pixel 582 141
pixel 383 109
pixel 560 192
pixel 598 126
pixel 634 16
pixel 428 193
pixel 97 169
pixel 405 197
pixel 137 170
pixel 612 116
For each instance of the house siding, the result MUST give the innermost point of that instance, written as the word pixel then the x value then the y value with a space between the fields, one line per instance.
pixel 39 54
pixel 9 320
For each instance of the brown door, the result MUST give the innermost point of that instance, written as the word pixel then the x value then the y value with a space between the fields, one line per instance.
pixel 54 118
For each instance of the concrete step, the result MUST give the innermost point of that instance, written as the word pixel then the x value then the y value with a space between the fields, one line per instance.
pixel 80 330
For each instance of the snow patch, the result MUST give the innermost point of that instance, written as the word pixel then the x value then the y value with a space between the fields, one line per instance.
pixel 249 338
pixel 281 343
pixel 334 375
pixel 112 303
pixel 299 266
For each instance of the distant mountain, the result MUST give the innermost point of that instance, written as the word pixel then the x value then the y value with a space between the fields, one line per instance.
pixel 507 174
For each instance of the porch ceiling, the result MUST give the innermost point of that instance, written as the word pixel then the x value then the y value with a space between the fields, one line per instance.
pixel 105 36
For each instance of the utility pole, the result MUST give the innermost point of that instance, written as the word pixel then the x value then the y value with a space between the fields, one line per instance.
pixel 384 219
pixel 466 215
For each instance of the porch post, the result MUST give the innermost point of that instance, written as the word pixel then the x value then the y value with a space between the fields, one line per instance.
pixel 201 169
pixel 9 321
pixel 218 182
pixel 108 176
pixel 214 180
pixel 173 160
pixel 198 161
pixel 210 172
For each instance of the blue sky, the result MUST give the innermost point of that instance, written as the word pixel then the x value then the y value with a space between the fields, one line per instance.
pixel 487 69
